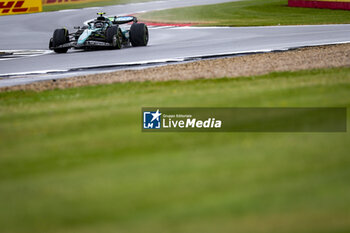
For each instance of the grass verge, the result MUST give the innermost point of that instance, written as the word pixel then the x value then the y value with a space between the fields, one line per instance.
pixel 249 13
pixel 75 160
pixel 56 7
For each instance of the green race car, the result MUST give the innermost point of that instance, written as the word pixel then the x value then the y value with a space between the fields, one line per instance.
pixel 101 32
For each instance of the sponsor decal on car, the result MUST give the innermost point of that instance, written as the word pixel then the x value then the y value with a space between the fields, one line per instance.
pixel 20 7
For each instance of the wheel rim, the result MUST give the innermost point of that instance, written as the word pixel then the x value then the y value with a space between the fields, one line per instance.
pixel 146 36
pixel 114 41
pixel 117 40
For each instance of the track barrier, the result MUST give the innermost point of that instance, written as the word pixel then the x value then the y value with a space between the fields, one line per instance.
pixel 329 4
pixel 12 7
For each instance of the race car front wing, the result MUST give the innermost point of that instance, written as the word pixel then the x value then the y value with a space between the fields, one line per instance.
pixel 90 43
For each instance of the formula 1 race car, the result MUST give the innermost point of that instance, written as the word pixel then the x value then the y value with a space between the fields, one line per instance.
pixel 101 32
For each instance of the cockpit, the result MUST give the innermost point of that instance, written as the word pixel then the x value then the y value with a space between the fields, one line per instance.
pixel 99 22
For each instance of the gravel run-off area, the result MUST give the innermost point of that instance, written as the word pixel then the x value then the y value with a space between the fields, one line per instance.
pixel 239 66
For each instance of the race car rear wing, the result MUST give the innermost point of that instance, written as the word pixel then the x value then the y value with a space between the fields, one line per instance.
pixel 122 19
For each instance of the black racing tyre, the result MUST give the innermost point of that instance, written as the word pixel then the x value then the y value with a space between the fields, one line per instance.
pixel 111 31
pixel 60 37
pixel 115 37
pixel 51 43
pixel 139 34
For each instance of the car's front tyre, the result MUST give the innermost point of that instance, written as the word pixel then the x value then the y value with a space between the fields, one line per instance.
pixel 60 37
pixel 115 37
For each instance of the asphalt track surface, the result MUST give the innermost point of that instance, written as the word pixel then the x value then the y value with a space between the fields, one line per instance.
pixel 33 31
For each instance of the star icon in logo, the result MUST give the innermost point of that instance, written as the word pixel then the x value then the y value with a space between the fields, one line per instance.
pixel 156 116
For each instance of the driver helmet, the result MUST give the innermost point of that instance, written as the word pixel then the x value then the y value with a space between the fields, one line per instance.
pixel 99 24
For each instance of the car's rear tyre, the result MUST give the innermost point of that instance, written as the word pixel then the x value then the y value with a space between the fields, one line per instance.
pixel 139 34
pixel 60 37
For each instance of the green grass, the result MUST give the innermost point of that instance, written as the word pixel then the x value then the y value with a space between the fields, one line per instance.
pixel 56 7
pixel 250 13
pixel 75 160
